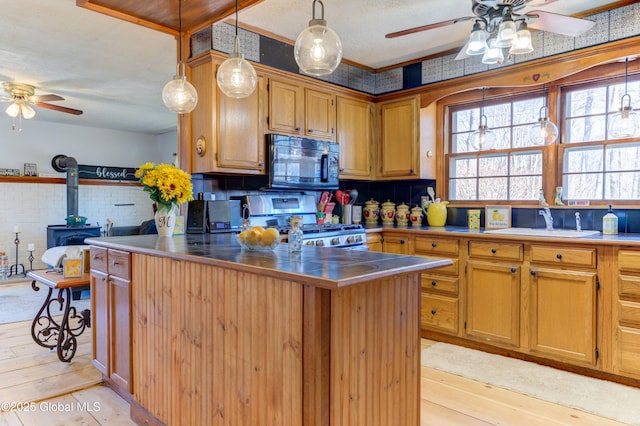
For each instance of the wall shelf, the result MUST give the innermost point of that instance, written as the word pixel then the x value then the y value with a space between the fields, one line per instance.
pixel 63 181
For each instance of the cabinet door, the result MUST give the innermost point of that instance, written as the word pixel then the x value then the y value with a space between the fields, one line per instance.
pixel 374 241
pixel 100 319
pixel 563 314
pixel 286 107
pixel 319 114
pixel 120 327
pixel 399 151
pixel 241 143
pixel 493 302
pixel 395 244
pixel 353 133
pixel 204 118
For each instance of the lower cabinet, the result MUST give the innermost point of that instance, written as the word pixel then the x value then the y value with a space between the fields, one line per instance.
pixel 626 308
pixel 111 311
pixel 397 244
pixel 374 241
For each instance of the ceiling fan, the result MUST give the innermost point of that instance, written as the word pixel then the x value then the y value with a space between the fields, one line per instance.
pixel 502 24
pixel 22 96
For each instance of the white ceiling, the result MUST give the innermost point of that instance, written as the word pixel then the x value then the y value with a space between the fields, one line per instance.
pixel 114 70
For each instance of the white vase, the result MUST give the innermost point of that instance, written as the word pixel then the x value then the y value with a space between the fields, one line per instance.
pixel 166 220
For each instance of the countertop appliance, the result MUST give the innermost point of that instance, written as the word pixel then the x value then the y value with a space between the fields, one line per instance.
pixel 301 163
pixel 275 210
pixel 213 216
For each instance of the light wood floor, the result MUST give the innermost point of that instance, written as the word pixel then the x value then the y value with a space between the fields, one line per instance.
pixel 27 370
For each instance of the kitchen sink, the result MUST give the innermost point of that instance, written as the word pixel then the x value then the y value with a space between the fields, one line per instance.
pixel 539 232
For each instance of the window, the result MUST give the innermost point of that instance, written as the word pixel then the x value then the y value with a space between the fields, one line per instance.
pixel 513 168
pixel 594 165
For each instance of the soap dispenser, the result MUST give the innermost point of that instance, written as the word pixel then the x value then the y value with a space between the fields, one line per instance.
pixel 610 223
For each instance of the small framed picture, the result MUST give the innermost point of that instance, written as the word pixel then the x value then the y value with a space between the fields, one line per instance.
pixel 72 268
pixel 30 169
pixel 496 217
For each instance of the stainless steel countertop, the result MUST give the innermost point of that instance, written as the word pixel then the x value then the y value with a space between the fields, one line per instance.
pixel 323 267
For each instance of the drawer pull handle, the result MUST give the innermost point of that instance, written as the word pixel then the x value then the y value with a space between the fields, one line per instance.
pixel 96 257
pixel 493 251
pixel 433 312
pixel 401 241
pixel 433 283
pixel 559 256
pixel 104 279
pixel 533 273
pixel 115 263
pixel 434 245
pixel 513 270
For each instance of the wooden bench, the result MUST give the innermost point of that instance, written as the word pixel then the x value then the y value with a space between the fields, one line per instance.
pixel 45 330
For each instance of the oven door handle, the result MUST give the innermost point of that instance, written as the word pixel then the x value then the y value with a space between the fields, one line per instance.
pixel 324 168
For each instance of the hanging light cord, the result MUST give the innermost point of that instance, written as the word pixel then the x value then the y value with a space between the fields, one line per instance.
pixel 482 116
pixel 236 18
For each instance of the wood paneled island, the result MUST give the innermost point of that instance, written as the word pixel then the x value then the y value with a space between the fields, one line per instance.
pixel 220 335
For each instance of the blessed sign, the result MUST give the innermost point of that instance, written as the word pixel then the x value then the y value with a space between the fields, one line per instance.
pixel 108 173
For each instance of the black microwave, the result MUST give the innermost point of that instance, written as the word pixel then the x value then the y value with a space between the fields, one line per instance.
pixel 302 163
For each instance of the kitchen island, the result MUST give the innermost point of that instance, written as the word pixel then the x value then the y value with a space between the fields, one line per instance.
pixel 220 335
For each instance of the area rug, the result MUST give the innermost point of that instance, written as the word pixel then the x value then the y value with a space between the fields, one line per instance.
pixel 18 302
pixel 600 397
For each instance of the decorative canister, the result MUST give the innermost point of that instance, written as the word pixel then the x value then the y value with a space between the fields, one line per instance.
pixel 473 219
pixel 437 213
pixel 416 216
pixel 388 212
pixel 402 214
pixel 371 211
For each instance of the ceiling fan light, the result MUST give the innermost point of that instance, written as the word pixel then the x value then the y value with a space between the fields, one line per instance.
pixel 522 43
pixel 477 42
pixel 318 49
pixel 493 55
pixel 236 77
pixel 506 33
pixel 179 95
pixel 13 110
pixel 27 112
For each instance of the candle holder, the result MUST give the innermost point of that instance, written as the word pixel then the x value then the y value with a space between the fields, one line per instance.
pixel 31 260
pixel 17 265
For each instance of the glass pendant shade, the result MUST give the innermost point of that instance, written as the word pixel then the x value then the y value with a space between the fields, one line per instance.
pixel 179 95
pixel 477 44
pixel 544 132
pixel 493 55
pixel 20 108
pixel 236 77
pixel 522 43
pixel 482 139
pixel 624 123
pixel 506 32
pixel 318 50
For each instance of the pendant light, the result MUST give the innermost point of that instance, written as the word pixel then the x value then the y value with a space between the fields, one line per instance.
pixel 318 49
pixel 494 54
pixel 179 95
pixel 506 30
pixel 544 132
pixel 625 123
pixel 236 77
pixel 522 43
pixel 484 138
pixel 477 40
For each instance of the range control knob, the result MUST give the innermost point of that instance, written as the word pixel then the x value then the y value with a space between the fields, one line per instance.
pixel 309 243
pixel 319 243
pixel 351 239
pixel 335 241
pixel 358 238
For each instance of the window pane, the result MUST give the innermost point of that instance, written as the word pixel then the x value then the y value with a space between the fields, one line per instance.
pixel 463 189
pixel 498 115
pixel 526 164
pixel 616 92
pixel 522 136
pixel 493 166
pixel 585 129
pixel 465 120
pixel 492 188
pixel 460 142
pixel 623 157
pixel 503 138
pixel 586 102
pixel 622 186
pixel 583 186
pixel 525 188
pixel 527 111
pixel 463 167
pixel 582 160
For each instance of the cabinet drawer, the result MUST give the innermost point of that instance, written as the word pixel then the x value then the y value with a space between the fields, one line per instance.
pixel 628 351
pixel 629 286
pixel 629 313
pixel 98 258
pixel 119 264
pixel 435 283
pixel 564 256
pixel 439 312
pixel 448 269
pixel 495 250
pixel 424 245
pixel 629 260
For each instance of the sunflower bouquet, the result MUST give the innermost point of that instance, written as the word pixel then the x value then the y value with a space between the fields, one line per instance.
pixel 166 184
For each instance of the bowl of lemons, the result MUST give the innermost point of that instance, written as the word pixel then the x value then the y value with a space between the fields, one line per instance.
pixel 258 238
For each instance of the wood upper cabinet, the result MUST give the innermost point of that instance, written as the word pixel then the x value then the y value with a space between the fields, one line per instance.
pixel 302 111
pixel 399 152
pixel 227 135
pixel 355 136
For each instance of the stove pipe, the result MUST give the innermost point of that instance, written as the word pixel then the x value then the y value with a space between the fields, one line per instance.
pixel 61 163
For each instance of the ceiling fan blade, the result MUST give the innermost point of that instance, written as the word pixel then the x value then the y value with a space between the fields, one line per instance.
pixel 561 24
pixel 44 98
pixel 59 108
pixel 538 3
pixel 428 27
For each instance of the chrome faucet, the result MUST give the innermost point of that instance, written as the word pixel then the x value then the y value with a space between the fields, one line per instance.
pixel 578 222
pixel 548 219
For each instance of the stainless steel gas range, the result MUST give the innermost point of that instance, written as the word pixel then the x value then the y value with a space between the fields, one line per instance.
pixel 275 210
